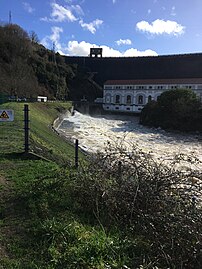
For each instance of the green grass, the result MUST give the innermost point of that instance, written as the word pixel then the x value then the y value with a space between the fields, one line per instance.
pixel 53 216
pixel 43 140
pixel 40 226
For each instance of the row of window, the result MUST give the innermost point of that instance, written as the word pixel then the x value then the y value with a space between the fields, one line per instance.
pixel 140 99
pixel 148 87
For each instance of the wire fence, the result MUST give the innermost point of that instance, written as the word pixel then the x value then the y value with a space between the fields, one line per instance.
pixel 12 134
pixel 15 135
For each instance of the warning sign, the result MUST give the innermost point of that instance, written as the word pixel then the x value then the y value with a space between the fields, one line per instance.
pixel 6 115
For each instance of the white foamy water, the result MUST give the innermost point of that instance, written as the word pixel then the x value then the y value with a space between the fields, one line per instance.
pixel 94 132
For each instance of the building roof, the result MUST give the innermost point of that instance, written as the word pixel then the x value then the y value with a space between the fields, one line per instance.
pixel 155 81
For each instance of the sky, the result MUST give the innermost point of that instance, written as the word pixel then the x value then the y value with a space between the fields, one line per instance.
pixel 121 27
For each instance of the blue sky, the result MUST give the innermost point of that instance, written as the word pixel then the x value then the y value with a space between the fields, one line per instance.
pixel 120 27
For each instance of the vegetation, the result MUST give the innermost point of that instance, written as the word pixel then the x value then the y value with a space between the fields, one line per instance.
pixel 43 139
pixel 178 109
pixel 117 210
pixel 28 69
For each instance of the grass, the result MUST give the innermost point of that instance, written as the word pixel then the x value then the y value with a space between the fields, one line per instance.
pixel 19 173
pixel 40 224
pixel 43 140
pixel 53 216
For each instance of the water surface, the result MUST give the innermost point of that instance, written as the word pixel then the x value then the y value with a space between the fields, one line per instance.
pixel 94 132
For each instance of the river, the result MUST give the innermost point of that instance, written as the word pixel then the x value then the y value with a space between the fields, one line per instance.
pixel 94 132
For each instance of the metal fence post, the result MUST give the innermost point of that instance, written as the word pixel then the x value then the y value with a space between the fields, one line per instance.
pixel 26 128
pixel 76 153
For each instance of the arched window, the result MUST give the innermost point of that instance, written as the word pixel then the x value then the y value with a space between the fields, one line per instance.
pixel 140 99
pixel 128 99
pixel 149 98
pixel 157 98
pixel 117 99
pixel 108 98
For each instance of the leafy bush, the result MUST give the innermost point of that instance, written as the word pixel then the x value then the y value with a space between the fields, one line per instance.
pixel 178 109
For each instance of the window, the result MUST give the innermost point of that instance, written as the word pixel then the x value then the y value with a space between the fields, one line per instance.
pixel 140 99
pixel 117 100
pixel 149 98
pixel 108 98
pixel 128 99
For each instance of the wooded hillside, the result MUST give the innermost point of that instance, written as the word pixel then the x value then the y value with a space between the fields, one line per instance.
pixel 28 69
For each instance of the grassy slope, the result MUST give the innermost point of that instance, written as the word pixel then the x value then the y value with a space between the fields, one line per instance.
pixel 17 172
pixel 40 225
pixel 43 140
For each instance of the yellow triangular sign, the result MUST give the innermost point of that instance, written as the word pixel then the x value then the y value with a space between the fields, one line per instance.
pixel 4 115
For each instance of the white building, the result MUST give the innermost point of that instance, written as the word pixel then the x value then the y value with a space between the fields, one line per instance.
pixel 42 98
pixel 133 95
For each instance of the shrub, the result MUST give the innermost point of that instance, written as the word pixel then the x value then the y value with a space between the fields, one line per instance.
pixel 175 109
pixel 144 199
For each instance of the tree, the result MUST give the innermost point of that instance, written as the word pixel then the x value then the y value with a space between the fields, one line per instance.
pixel 175 109
pixel 33 37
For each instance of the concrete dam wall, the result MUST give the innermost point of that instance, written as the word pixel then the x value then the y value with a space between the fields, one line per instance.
pixel 152 67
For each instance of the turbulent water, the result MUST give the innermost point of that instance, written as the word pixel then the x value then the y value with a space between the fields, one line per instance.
pixel 94 132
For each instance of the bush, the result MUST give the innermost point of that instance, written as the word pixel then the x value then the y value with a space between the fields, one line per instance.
pixel 144 199
pixel 177 109
pixel 119 210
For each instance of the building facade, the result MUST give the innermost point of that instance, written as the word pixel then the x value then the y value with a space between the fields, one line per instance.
pixel 133 95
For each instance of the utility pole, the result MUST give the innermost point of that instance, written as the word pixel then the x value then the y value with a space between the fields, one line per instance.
pixel 10 18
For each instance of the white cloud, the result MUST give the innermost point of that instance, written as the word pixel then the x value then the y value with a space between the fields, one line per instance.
pixel 56 33
pixel 60 14
pixel 54 38
pixel 123 42
pixel 92 26
pixel 113 1
pixel 28 7
pixel 149 11
pixel 159 27
pixel 135 53
pixel 77 9
pixel 83 49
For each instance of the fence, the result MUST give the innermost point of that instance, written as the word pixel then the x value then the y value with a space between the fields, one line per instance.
pixel 11 132
pixel 14 135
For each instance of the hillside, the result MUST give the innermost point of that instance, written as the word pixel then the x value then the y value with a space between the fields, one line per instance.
pixel 27 69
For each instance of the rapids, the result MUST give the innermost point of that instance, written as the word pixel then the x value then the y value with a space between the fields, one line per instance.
pixel 94 132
